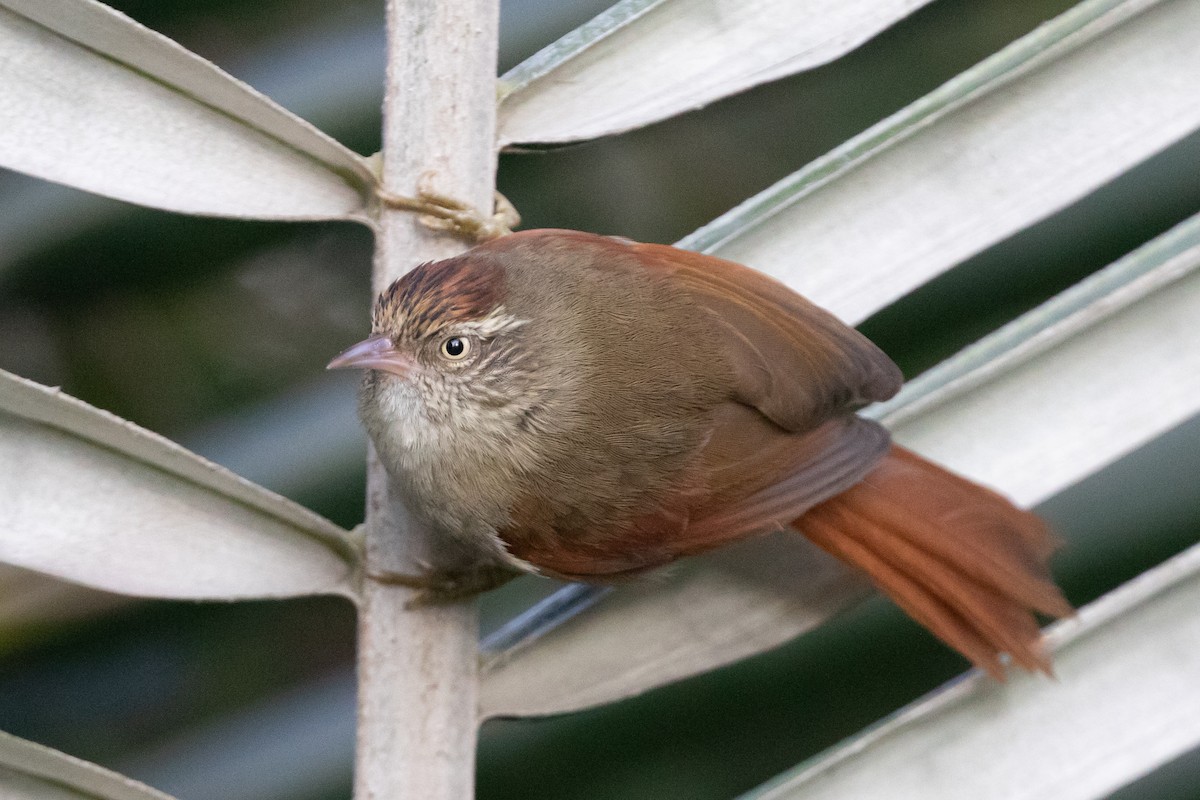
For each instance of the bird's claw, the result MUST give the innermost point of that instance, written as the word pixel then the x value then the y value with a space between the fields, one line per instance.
pixel 441 212
pixel 438 587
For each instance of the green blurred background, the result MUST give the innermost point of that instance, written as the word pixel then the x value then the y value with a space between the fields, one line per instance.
pixel 215 333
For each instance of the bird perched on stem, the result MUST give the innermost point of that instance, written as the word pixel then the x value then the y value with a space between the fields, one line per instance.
pixel 591 408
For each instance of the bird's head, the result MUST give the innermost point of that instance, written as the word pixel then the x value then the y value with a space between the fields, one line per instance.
pixel 442 337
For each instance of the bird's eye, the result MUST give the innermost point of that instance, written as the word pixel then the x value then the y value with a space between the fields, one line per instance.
pixel 456 348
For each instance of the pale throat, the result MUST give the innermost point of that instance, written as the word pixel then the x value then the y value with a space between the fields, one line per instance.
pixel 431 412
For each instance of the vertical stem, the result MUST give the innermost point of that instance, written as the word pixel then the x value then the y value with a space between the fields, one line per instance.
pixel 417 670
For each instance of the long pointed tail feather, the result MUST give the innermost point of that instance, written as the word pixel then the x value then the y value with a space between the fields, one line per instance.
pixel 958 558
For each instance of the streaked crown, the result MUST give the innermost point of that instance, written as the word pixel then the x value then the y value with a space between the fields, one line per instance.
pixel 438 294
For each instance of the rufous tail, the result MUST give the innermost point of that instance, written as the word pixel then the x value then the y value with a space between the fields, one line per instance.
pixel 960 559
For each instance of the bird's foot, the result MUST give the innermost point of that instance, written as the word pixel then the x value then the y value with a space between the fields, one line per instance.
pixel 441 212
pixel 438 587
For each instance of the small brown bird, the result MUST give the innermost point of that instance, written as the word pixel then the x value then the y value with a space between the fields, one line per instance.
pixel 590 408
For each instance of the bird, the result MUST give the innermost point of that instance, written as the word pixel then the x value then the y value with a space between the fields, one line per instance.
pixel 590 408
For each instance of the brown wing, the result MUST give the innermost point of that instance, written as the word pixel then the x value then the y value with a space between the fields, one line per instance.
pixel 785 440
pixel 789 439
pixel 759 478
pixel 794 362
pixel 748 478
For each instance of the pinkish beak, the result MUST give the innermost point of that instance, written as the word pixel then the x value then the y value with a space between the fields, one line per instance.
pixel 378 352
